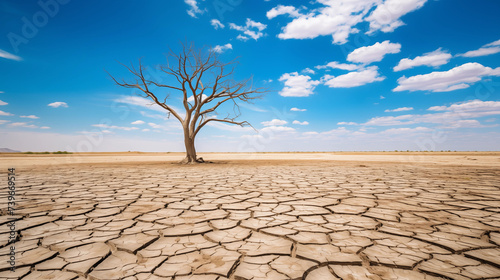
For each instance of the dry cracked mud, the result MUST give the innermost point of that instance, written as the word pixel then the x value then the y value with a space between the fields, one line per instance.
pixel 307 220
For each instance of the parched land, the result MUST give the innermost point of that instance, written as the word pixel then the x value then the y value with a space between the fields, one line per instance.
pixel 265 216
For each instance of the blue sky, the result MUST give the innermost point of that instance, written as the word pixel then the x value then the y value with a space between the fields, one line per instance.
pixel 342 75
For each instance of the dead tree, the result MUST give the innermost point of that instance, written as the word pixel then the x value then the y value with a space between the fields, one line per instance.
pixel 203 82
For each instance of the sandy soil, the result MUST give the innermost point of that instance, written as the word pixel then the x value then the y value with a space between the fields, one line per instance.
pixel 447 158
pixel 312 216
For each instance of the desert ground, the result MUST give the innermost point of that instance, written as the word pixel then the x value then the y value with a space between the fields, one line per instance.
pixel 312 216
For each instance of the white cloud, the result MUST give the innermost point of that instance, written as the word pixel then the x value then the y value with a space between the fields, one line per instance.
pixel 488 49
pixel 459 77
pixel 493 44
pixel 277 129
pixel 337 19
pixel 310 133
pixel 138 122
pixel 191 98
pixel 3 103
pixel 435 58
pixel 353 79
pixel 402 109
pixel 193 8
pixel 220 49
pixel 251 29
pixel 297 85
pixel 4 121
pixel 347 123
pixel 336 65
pixel 382 97
pixel 217 24
pixel 30 117
pixel 297 109
pixel 147 103
pixel 406 130
pixel 450 116
pixel 44 127
pixel 2 113
pixel 300 123
pixel 274 122
pixel 58 104
pixel 482 52
pixel 473 106
pixel 23 124
pixel 386 17
pixel 308 71
pixel 154 125
pixel 373 53
pixel 105 126
pixel 283 10
pixel 229 127
pixel 7 55
pixel 146 129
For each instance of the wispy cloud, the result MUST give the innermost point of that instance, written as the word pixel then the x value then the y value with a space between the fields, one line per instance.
pixel 30 117
pixel 217 24
pixel 2 113
pixel 300 123
pixel 58 104
pixel 2 103
pixel 488 49
pixel 251 29
pixel 459 77
pixel 10 56
pixel 297 110
pixel 193 8
pixel 402 109
pixel 435 58
pixel 353 79
pixel 274 122
pixel 220 49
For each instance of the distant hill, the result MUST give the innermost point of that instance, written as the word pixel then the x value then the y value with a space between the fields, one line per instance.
pixel 7 150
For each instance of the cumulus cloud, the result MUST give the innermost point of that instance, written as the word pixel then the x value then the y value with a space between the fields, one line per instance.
pixel 30 117
pixel 274 122
pixel 488 49
pixel 294 109
pixel 476 106
pixel 251 29
pixel 308 71
pixel 217 24
pixel 402 109
pixel 337 19
pixel 459 77
pixel 220 49
pixel 10 56
pixel 2 113
pixel 300 123
pixel 283 10
pixel 386 17
pixel 193 8
pixel 336 65
pixel 138 122
pixel 297 85
pixel 58 104
pixel 3 103
pixel 353 79
pixel 435 58
pixel 374 53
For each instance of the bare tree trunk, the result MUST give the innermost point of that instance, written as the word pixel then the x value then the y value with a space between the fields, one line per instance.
pixel 190 149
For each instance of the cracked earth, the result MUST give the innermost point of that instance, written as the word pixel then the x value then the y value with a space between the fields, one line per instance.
pixel 300 220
